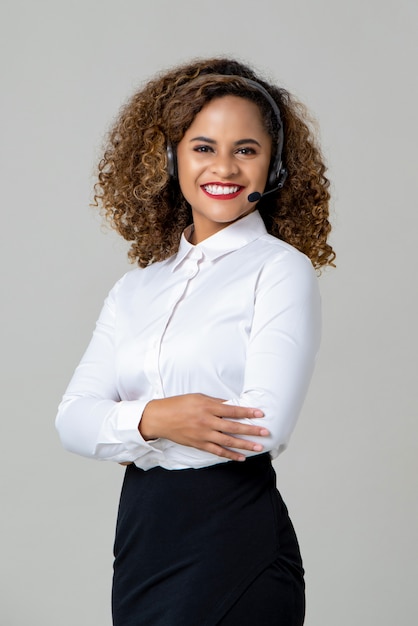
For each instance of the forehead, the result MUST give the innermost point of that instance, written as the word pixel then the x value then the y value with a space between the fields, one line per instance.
pixel 230 114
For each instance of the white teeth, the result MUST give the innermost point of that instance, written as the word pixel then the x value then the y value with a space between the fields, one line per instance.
pixel 220 190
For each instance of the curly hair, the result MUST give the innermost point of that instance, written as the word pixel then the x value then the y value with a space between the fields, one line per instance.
pixel 146 206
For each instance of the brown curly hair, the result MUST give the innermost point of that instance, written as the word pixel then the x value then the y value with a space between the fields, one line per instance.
pixel 146 206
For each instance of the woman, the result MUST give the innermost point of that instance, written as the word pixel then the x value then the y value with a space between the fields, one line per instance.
pixel 202 356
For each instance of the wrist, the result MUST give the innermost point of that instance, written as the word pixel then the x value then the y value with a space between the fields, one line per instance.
pixel 146 424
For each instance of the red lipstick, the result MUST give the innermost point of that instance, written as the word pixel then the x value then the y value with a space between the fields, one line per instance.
pixel 221 191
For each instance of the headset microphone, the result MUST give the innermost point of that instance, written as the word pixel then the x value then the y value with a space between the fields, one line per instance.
pixel 256 195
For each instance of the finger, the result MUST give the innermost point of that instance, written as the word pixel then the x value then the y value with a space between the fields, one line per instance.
pixel 238 412
pixel 220 408
pixel 227 441
pixel 236 428
pixel 225 453
pixel 229 425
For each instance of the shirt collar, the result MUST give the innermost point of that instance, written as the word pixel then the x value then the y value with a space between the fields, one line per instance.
pixel 235 236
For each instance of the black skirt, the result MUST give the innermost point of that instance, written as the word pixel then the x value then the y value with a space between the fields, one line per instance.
pixel 206 547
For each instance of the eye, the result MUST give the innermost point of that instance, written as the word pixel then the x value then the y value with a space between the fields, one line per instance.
pixel 246 151
pixel 203 149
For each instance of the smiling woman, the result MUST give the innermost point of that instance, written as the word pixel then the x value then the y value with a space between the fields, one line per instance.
pixel 202 355
pixel 224 156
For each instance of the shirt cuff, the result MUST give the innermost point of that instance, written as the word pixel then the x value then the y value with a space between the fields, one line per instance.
pixel 120 438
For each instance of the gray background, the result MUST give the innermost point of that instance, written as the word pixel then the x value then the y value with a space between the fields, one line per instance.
pixel 350 475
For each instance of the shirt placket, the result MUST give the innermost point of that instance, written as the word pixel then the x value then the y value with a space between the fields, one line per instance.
pixel 185 274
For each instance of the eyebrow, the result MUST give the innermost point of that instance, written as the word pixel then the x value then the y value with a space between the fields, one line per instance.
pixel 240 142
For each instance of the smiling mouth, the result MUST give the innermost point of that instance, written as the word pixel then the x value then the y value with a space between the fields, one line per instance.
pixel 222 192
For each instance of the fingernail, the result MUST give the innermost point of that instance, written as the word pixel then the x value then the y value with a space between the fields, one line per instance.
pixel 264 432
pixel 258 413
pixel 257 447
pixel 241 458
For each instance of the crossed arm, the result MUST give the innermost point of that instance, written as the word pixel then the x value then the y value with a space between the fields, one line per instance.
pixel 93 421
pixel 197 420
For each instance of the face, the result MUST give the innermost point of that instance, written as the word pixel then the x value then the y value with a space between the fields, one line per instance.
pixel 222 158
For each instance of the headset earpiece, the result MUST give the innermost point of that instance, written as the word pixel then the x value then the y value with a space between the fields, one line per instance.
pixel 281 179
pixel 171 162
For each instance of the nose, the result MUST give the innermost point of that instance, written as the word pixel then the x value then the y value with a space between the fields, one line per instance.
pixel 225 165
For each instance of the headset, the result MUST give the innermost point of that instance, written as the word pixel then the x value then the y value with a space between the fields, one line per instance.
pixel 277 174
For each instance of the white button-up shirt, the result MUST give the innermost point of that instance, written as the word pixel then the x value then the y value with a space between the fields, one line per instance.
pixel 235 317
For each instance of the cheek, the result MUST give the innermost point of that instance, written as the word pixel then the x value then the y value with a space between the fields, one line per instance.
pixel 188 174
pixel 185 182
pixel 187 188
pixel 264 172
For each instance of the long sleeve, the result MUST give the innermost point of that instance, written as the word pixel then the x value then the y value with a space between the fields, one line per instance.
pixel 92 419
pixel 283 345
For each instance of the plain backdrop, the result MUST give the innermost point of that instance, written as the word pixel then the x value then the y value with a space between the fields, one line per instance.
pixel 350 474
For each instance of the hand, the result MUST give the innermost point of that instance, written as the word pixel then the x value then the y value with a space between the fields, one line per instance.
pixel 196 420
